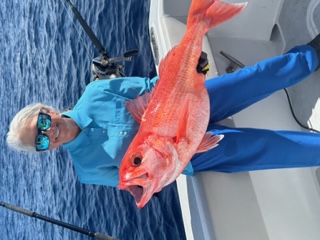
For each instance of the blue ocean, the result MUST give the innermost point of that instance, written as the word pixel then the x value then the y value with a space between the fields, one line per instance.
pixel 45 57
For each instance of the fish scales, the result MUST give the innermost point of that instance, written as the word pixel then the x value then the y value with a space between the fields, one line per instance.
pixel 174 116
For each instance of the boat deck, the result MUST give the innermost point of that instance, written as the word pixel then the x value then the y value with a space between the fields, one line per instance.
pixel 271 204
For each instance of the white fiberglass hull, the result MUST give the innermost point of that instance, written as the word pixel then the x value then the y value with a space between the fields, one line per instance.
pixel 272 204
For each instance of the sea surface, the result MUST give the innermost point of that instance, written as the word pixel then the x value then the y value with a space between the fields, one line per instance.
pixel 45 57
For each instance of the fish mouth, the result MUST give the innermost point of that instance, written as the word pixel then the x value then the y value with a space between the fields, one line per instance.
pixel 138 188
pixel 137 192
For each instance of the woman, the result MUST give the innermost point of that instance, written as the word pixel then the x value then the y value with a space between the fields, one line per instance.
pixel 98 130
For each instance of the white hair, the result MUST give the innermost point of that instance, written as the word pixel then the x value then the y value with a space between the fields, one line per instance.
pixel 18 122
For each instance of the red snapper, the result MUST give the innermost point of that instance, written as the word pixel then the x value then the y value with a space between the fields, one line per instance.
pixel 174 115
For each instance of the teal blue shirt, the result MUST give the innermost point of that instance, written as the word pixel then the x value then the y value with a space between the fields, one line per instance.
pixel 107 128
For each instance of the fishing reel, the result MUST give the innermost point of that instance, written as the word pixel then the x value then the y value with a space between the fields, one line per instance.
pixel 104 67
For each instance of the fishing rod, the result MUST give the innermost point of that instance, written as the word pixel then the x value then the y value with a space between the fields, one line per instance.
pixel 102 66
pixel 88 30
pixel 96 235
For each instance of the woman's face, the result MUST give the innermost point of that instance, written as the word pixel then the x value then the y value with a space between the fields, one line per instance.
pixel 61 130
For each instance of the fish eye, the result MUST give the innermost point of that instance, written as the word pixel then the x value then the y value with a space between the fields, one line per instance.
pixel 137 160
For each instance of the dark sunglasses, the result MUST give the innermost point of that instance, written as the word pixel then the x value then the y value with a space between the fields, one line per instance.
pixel 43 123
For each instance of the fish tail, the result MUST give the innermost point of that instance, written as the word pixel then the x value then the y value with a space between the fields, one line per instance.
pixel 212 12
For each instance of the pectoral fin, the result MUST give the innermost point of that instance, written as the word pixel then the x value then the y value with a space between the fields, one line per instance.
pixel 209 141
pixel 138 106
pixel 182 120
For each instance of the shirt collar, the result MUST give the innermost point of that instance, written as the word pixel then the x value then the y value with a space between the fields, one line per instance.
pixel 82 119
pixel 76 144
pixel 81 139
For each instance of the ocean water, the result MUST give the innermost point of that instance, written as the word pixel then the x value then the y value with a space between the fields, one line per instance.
pixel 45 57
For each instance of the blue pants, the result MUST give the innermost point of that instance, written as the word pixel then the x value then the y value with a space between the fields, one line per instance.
pixel 246 149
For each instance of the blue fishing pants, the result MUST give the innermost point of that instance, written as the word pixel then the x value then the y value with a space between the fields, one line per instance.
pixel 246 149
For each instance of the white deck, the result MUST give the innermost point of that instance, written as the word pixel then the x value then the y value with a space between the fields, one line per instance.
pixel 272 204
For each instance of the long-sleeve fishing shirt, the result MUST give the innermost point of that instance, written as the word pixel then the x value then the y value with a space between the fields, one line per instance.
pixel 107 128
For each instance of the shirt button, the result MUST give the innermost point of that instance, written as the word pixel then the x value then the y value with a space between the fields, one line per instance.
pixel 103 131
pixel 121 132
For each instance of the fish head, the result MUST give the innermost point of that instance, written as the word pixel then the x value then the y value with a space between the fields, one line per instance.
pixel 147 167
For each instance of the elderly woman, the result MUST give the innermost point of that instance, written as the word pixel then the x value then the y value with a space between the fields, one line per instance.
pixel 98 130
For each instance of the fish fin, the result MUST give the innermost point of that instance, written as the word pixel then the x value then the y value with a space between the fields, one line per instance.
pixel 213 11
pixel 181 130
pixel 138 106
pixel 209 141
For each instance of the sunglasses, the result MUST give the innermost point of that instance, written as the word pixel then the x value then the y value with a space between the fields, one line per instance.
pixel 43 123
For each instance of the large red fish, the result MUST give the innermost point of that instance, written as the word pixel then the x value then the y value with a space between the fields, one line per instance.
pixel 174 116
